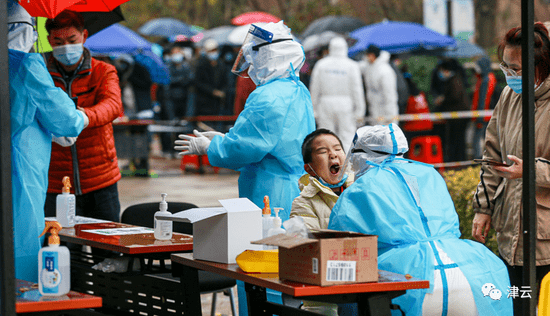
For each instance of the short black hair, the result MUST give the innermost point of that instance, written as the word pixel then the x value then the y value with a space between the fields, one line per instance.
pixel 66 19
pixel 306 145
pixel 373 49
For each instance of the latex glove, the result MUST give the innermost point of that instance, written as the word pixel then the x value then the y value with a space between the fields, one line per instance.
pixel 210 135
pixel 64 141
pixel 86 119
pixel 191 145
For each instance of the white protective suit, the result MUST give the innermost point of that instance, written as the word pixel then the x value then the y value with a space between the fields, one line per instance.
pixel 381 84
pixel 337 92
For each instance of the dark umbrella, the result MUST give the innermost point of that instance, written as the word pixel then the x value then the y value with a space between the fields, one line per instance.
pixel 464 49
pixel 166 27
pixel 220 34
pixel 97 21
pixel 342 24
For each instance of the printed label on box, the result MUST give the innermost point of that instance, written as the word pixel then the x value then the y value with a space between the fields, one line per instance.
pixel 315 265
pixel 341 270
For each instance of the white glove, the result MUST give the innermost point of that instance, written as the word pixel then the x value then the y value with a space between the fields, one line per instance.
pixel 64 141
pixel 210 135
pixel 86 119
pixel 192 145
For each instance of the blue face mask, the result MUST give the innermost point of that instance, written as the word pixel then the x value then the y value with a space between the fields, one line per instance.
pixel 213 55
pixel 332 186
pixel 514 82
pixel 177 58
pixel 68 54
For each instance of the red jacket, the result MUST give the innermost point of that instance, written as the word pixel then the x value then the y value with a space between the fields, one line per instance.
pixel 93 165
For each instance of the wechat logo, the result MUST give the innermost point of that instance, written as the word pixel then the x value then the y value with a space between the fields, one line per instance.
pixel 489 289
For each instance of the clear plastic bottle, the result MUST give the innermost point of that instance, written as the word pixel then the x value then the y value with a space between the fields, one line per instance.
pixel 276 229
pixel 54 264
pixel 163 228
pixel 65 208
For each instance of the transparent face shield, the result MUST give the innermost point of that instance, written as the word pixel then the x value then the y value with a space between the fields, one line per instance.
pixel 255 37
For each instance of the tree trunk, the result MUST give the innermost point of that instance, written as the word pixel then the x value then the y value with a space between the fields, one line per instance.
pixel 485 15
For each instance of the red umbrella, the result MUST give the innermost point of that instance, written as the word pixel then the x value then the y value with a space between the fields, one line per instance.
pixel 254 17
pixel 51 8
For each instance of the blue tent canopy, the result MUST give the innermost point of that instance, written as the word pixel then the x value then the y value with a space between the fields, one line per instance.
pixel 399 37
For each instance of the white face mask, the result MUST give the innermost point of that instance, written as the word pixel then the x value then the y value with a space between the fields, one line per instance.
pixel 68 54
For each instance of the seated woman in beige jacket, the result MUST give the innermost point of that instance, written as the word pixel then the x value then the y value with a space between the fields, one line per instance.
pixel 320 187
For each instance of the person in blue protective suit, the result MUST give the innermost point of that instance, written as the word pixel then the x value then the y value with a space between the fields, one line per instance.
pixel 406 203
pixel 39 113
pixel 265 142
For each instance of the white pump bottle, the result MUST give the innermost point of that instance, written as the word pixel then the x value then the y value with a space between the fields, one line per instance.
pixel 163 229
pixel 277 223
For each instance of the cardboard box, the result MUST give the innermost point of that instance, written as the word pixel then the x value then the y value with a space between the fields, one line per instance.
pixel 220 234
pixel 331 257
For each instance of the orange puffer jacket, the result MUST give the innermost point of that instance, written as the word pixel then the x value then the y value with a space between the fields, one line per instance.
pixel 92 161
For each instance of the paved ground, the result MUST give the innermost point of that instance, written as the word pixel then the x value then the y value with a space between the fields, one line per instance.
pixel 201 189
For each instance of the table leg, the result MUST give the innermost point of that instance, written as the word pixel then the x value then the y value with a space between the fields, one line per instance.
pixel 376 304
pixel 189 280
pixel 256 297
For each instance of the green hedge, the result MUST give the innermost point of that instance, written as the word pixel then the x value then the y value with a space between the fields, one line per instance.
pixel 462 185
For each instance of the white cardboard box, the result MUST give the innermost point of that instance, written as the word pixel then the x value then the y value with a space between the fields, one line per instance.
pixel 220 234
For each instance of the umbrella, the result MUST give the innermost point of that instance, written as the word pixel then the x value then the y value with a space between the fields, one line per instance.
pixel 51 8
pixel 117 39
pixel 254 17
pixel 238 34
pixel 337 23
pixel 399 37
pixel 166 27
pixel 317 41
pixel 220 34
pixel 464 49
pixel 93 22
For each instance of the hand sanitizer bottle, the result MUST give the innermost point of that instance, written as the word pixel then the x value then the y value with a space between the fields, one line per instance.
pixel 276 229
pixel 54 264
pixel 163 228
pixel 65 206
pixel 267 220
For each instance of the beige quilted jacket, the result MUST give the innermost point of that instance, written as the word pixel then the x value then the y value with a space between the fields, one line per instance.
pixel 315 202
pixel 502 198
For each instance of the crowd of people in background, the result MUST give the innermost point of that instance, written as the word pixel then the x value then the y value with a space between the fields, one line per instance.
pixel 390 90
pixel 377 88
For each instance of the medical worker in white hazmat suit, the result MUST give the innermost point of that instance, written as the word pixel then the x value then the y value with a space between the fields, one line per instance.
pixel 337 92
pixel 381 85
pixel 406 203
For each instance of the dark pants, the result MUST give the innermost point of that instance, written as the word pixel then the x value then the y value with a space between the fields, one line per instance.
pixel 516 280
pixel 100 204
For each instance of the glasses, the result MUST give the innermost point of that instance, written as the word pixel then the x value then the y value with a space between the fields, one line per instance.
pixel 509 71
